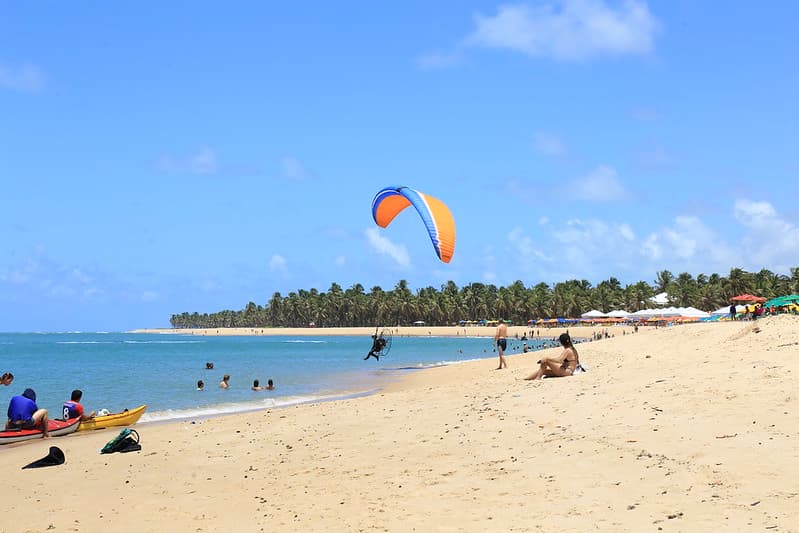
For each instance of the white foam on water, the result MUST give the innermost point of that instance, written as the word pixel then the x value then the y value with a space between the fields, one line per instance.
pixel 163 342
pixel 240 407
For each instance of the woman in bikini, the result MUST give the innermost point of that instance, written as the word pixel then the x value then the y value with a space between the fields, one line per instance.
pixel 561 365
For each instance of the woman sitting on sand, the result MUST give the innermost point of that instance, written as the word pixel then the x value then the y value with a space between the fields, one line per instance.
pixel 562 365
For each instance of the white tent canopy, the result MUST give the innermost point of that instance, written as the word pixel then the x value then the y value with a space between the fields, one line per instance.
pixel 672 311
pixel 619 313
pixel 660 299
pixel 693 312
pixel 668 311
pixel 593 314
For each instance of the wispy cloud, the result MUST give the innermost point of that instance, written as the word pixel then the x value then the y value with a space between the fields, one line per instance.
pixel 688 241
pixel 278 265
pixel 24 78
pixel 43 276
pixel 770 238
pixel 384 246
pixel 600 185
pixel 204 161
pixel 293 169
pixel 568 29
pixel 549 144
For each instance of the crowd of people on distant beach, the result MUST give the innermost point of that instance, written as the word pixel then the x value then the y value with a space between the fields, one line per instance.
pixel 225 382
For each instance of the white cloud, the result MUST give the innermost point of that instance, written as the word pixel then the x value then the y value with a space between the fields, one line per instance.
pixel 687 243
pixel 755 236
pixel 626 232
pixel 22 274
pixel 278 265
pixel 568 29
pixel 25 78
pixel 523 246
pixel 204 161
pixel 549 144
pixel 383 246
pixel 42 275
pixel 771 239
pixel 340 261
pixel 600 185
pixel 755 214
pixel 293 169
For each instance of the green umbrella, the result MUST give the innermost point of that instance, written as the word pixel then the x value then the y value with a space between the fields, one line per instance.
pixel 782 300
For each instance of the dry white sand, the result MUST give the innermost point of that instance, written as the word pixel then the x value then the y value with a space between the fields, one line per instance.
pixel 688 428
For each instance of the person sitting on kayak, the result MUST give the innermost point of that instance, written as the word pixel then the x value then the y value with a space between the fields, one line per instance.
pixel 23 413
pixel 73 408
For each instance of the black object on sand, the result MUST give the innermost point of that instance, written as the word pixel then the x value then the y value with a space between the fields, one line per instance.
pixel 54 458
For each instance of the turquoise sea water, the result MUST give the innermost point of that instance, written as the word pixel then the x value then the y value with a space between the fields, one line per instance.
pixel 123 370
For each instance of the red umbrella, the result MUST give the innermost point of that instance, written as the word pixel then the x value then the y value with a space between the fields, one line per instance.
pixel 747 298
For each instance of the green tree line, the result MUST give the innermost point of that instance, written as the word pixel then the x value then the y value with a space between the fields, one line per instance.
pixel 449 304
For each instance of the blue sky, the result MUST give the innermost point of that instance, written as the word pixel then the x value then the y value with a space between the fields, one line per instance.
pixel 184 156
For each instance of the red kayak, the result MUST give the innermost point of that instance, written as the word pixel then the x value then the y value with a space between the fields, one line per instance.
pixel 55 427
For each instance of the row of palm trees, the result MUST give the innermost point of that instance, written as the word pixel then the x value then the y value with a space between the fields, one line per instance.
pixel 449 304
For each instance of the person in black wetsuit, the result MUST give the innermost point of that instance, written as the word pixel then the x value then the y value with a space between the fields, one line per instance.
pixel 378 343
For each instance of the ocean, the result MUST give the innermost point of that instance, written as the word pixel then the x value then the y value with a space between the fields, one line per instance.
pixel 117 371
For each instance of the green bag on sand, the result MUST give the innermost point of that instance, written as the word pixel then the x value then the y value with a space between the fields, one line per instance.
pixel 126 441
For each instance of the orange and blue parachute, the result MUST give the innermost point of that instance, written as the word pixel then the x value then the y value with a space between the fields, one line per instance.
pixel 388 203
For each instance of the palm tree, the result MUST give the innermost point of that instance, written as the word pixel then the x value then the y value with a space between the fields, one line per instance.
pixel 738 282
pixel 663 280
pixel 685 290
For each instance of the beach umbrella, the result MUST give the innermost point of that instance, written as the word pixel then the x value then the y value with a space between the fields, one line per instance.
pixel 782 300
pixel 747 298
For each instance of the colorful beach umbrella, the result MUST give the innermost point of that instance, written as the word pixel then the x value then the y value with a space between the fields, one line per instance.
pixel 747 298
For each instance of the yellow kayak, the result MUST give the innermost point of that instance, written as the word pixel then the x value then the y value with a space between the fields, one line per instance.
pixel 127 417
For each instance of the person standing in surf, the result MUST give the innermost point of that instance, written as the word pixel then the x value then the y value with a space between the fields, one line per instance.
pixel 501 340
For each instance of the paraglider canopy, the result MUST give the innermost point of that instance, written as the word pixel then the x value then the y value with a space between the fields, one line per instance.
pixel 437 218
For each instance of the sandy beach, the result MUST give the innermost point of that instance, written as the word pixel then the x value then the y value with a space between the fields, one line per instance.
pixel 686 428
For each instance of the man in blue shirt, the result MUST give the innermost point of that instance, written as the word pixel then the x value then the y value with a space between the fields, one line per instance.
pixel 23 413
